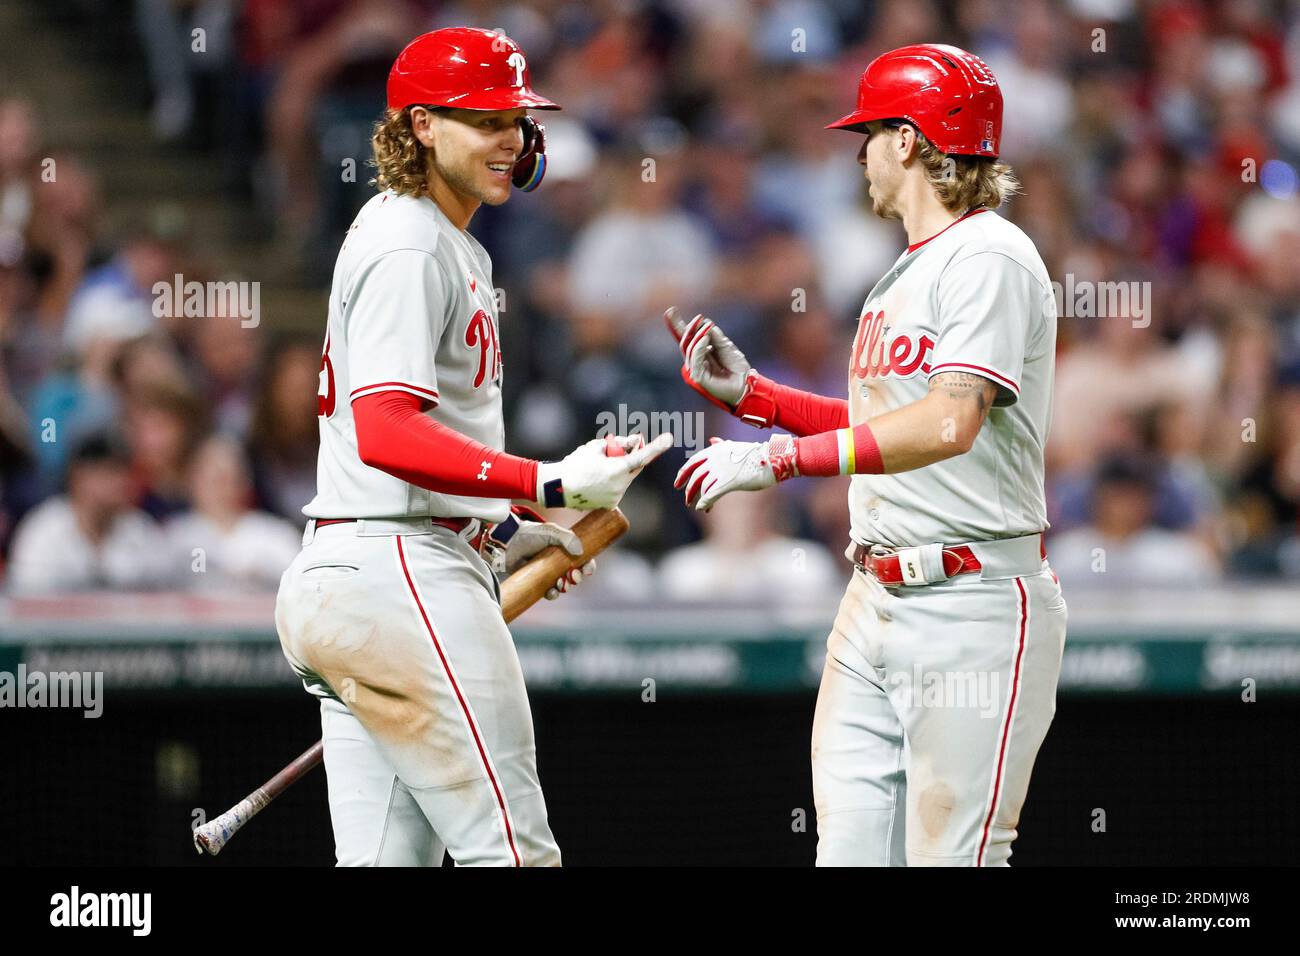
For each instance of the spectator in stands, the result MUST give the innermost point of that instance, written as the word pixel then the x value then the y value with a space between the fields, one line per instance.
pixel 1266 506
pixel 18 175
pixel 743 558
pixel 74 402
pixel 1121 548
pixel 90 538
pixel 1131 159
pixel 225 352
pixel 117 299
pixel 1121 369
pixel 224 541
pixel 636 257
pixel 284 435
pixel 147 363
pixel 164 424
pixel 58 247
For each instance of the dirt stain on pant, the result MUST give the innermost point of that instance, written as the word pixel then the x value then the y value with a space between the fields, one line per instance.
pixel 933 808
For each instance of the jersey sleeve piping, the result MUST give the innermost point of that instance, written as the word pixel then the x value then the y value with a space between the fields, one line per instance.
pixel 420 391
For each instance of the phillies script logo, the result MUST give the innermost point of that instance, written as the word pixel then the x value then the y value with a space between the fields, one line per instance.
pixel 876 357
pixel 482 332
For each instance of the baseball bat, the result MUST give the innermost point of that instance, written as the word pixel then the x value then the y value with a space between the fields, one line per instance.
pixel 525 587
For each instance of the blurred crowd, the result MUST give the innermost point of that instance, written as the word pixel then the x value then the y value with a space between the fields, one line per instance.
pixel 1158 144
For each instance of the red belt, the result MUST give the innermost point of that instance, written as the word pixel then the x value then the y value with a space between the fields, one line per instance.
pixel 455 524
pixel 888 570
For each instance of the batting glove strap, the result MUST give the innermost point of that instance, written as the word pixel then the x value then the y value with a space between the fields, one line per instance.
pixel 503 531
pixel 757 406
pixel 550 486
pixel 782 456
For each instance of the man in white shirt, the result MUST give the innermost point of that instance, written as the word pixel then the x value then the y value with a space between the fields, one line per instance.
pixel 91 538
pixel 1121 547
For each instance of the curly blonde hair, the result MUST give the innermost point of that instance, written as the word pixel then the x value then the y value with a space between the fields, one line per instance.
pixel 401 161
pixel 963 182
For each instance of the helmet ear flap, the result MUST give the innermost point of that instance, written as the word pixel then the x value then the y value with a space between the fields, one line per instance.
pixel 531 165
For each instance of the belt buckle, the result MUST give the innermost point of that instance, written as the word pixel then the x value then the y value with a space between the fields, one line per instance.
pixel 477 534
pixel 879 551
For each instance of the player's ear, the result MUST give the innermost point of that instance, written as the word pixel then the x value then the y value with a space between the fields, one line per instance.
pixel 422 121
pixel 906 142
pixel 899 142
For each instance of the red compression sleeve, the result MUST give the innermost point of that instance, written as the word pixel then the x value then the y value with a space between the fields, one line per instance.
pixel 846 451
pixel 768 404
pixel 393 436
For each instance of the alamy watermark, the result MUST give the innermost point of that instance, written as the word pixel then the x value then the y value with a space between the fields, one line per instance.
pixel 687 428
pixel 922 689
pixel 1089 299
pixel 199 300
pixel 83 690
pixel 129 910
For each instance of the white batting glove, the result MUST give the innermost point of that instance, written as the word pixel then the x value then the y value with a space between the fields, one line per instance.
pixel 712 365
pixel 727 466
pixel 588 477
pixel 571 580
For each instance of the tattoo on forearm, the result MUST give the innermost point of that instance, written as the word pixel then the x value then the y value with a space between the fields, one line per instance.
pixel 966 386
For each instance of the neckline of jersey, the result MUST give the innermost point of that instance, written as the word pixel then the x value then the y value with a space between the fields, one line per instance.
pixel 974 212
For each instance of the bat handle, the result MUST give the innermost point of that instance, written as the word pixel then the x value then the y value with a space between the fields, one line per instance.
pixel 215 834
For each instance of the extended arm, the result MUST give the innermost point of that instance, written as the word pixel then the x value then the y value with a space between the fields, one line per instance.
pixel 939 426
pixel 718 370
pixel 394 436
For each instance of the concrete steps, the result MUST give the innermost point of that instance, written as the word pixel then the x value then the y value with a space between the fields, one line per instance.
pixel 86 79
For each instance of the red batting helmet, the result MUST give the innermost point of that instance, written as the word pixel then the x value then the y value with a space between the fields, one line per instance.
pixel 466 68
pixel 948 94
pixel 473 70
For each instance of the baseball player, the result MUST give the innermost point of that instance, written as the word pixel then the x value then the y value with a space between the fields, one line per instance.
pixel 391 612
pixel 940 677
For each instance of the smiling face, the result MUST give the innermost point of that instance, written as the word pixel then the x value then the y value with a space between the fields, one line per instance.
pixel 472 151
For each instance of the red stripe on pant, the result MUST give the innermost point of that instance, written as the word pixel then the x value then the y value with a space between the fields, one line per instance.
pixel 464 706
pixel 1006 729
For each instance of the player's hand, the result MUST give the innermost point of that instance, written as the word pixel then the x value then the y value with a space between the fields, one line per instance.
pixel 711 363
pixel 727 466
pixel 591 477
pixel 526 534
pixel 530 538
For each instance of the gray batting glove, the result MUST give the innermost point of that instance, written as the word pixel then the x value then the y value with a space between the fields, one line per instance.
pixel 712 364
pixel 533 537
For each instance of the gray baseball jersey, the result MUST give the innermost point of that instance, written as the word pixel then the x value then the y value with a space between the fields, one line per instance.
pixel 974 298
pixel 412 308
